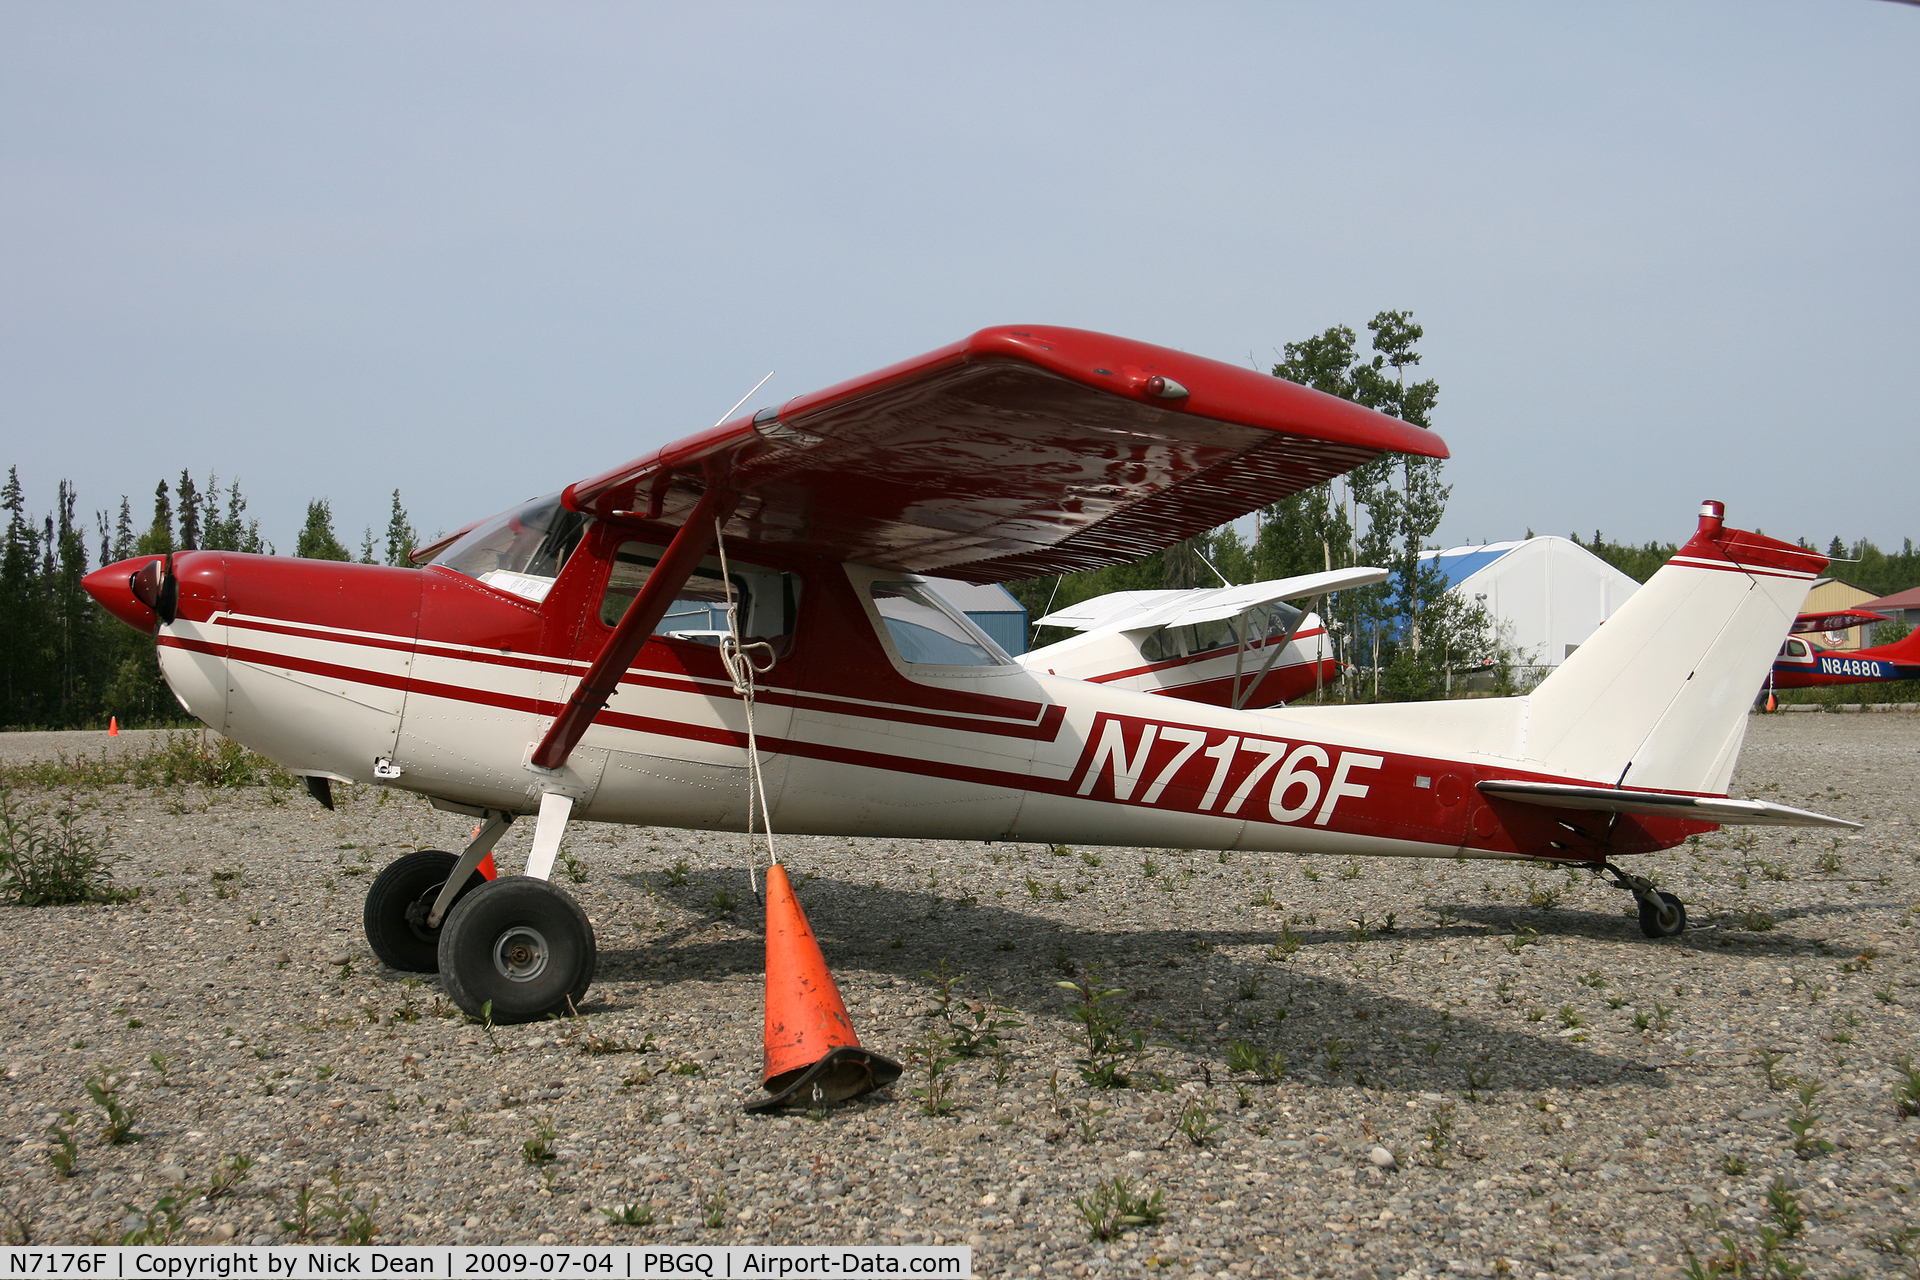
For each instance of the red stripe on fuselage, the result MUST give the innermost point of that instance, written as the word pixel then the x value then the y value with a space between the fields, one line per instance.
pixel 1044 727
pixel 1192 658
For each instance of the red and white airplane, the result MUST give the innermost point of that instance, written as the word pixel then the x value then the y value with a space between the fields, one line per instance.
pixel 1802 664
pixel 562 658
pixel 1229 646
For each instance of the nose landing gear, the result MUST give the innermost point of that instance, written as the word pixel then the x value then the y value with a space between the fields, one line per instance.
pixel 1661 914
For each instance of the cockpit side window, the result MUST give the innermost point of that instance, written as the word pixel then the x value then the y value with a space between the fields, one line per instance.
pixel 1261 623
pixel 520 551
pixel 767 600
pixel 1796 648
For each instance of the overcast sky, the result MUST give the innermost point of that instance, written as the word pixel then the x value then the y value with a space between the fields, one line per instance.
pixel 1662 251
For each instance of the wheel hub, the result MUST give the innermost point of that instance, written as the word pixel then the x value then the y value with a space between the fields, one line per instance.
pixel 417 912
pixel 520 954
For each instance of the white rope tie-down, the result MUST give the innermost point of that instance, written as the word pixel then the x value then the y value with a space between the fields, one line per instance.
pixel 743 662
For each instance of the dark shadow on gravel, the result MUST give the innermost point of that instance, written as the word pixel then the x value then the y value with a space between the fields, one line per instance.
pixel 1701 935
pixel 1184 991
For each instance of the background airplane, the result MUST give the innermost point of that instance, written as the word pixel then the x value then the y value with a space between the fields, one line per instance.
pixel 1229 646
pixel 1802 664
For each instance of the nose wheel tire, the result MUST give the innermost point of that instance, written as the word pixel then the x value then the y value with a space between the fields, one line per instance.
pixel 397 904
pixel 1664 918
pixel 520 945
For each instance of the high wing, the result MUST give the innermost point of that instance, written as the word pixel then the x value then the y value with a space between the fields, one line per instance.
pixel 1141 610
pixel 1016 452
pixel 1721 809
pixel 1115 607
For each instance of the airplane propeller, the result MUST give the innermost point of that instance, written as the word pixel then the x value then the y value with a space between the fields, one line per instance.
pixel 155 586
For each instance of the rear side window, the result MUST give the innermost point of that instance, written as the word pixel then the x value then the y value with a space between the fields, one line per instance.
pixel 767 600
pixel 925 629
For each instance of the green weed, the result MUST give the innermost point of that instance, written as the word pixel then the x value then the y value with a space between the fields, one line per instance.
pixel 1109 1043
pixel 1244 1058
pixel 934 1057
pixel 1196 1123
pixel 48 859
pixel 64 1150
pixel 104 1089
pixel 538 1150
pixel 629 1215
pixel 1112 1207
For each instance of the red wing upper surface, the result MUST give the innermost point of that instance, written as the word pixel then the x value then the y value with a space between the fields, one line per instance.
pixel 1016 452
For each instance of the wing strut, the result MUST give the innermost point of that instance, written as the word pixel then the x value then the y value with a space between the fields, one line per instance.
pixel 1240 700
pixel 683 555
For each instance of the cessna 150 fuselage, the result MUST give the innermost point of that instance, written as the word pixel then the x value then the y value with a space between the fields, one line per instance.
pixel 606 653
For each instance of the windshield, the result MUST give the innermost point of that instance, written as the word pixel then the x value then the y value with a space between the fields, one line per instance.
pixel 924 629
pixel 520 551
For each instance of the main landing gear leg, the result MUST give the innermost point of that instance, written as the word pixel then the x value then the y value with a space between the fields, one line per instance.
pixel 1661 914
pixel 412 895
pixel 555 809
pixel 519 948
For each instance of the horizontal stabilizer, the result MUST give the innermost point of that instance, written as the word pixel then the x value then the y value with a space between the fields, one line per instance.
pixel 1721 809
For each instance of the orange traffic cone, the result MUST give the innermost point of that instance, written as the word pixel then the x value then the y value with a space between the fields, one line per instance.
pixel 486 867
pixel 1770 702
pixel 113 726
pixel 812 1054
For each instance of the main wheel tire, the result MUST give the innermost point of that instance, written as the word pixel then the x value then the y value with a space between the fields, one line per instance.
pixel 398 935
pixel 1667 920
pixel 518 944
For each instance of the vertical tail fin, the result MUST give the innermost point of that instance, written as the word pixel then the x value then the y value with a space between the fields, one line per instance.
pixel 1905 650
pixel 1658 697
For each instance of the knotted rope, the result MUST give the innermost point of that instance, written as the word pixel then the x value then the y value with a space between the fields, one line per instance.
pixel 739 658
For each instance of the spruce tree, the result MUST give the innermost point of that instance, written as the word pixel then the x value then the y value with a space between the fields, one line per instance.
pixel 400 533
pixel 190 499
pixel 317 541
pixel 158 539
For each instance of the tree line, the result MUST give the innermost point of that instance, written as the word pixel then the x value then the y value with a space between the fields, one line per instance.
pixel 1861 563
pixel 67 663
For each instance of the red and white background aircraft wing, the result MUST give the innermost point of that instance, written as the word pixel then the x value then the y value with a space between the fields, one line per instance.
pixel 1837 620
pixel 1141 610
pixel 1012 453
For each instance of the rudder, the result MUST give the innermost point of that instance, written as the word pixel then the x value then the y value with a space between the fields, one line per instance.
pixel 1658 697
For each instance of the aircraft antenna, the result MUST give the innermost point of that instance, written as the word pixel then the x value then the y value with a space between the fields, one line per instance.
pixel 743 399
pixel 1216 573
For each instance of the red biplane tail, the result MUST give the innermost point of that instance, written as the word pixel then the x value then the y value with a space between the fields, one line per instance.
pixel 1657 698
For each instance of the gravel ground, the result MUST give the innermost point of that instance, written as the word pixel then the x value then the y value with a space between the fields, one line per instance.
pixel 1487 1071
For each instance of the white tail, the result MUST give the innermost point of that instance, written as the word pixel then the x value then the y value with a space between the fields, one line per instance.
pixel 1658 697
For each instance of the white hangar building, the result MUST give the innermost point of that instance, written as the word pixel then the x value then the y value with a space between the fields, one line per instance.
pixel 1551 593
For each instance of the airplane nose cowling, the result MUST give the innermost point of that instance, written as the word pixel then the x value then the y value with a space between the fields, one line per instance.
pixel 112 586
